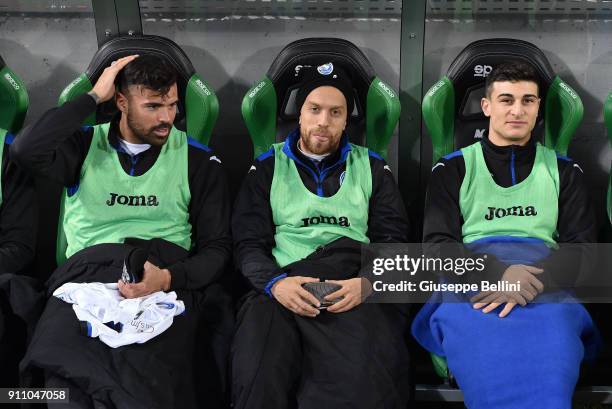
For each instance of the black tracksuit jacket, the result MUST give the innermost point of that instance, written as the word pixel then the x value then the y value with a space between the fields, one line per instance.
pixel 56 146
pixel 252 224
pixel 576 221
pixel 18 215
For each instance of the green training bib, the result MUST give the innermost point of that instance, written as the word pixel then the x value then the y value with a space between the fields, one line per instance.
pixel 111 205
pixel 305 221
pixel 527 209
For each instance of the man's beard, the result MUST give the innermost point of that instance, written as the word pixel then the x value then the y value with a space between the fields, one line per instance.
pixel 318 148
pixel 147 135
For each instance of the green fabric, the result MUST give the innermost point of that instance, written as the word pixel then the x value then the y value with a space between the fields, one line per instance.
pixel 440 366
pixel 608 115
pixel 2 137
pixel 201 105
pixel 79 86
pixel 259 112
pixel 111 205
pixel 563 113
pixel 260 105
pixel 527 209
pixel 382 114
pixel 201 109
pixel 13 100
pixel 305 221
pixel 439 117
pixel 608 122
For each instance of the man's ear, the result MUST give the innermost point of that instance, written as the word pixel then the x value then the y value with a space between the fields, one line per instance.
pixel 485 104
pixel 121 101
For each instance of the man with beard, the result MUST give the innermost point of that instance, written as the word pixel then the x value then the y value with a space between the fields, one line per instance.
pixel 301 216
pixel 140 180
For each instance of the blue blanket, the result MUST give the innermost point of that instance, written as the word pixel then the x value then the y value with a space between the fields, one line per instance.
pixel 529 359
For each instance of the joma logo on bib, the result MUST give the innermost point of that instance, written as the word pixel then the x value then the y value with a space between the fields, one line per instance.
pixel 314 220
pixel 135 200
pixel 499 212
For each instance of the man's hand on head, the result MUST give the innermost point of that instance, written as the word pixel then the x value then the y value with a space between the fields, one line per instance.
pixel 353 292
pixel 154 279
pixel 104 89
pixel 290 293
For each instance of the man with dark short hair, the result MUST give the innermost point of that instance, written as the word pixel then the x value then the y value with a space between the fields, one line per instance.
pixel 301 216
pixel 136 182
pixel 511 349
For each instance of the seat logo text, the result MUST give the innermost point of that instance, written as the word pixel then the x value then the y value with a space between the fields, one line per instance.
pixel 482 70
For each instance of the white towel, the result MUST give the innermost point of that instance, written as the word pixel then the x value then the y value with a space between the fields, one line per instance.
pixel 119 321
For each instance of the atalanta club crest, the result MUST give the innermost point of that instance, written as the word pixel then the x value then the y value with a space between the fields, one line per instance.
pixel 326 69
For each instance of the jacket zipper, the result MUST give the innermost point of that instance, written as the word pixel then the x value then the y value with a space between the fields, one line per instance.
pixel 134 160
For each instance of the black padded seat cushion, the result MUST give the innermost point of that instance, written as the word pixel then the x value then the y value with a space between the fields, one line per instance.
pixel 469 70
pixel 146 44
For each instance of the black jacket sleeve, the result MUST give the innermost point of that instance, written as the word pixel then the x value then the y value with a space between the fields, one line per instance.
pixel 387 219
pixel 443 220
pixel 575 226
pixel 56 145
pixel 253 227
pixel 209 215
pixel 18 218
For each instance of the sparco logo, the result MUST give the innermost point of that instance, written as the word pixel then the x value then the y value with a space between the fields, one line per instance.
pixel 568 90
pixel 200 84
pixel 499 212
pixel 340 221
pixel 71 85
pixel 435 88
pixel 10 79
pixel 137 200
pixel 257 89
pixel 387 90
pixel 482 70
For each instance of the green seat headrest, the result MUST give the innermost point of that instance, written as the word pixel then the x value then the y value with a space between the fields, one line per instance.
pixel 260 113
pixel 608 122
pixel 13 100
pixel 563 111
pixel 451 108
pixel 196 97
pixel 269 108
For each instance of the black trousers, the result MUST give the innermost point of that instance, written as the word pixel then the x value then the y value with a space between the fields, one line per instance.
pixel 356 359
pixel 188 363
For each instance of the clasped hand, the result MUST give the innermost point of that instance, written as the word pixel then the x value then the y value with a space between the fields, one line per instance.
pixel 290 293
pixel 153 279
pixel 529 287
